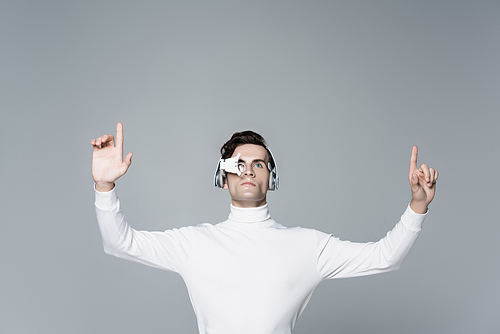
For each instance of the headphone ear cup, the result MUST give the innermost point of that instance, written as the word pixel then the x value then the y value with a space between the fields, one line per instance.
pixel 219 179
pixel 273 175
pixel 272 180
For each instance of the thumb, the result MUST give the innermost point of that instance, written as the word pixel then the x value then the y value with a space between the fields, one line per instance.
pixel 414 182
pixel 128 159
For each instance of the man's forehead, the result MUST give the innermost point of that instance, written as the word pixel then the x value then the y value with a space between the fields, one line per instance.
pixel 251 152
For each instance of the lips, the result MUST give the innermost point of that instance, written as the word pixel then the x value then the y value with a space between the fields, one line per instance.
pixel 248 183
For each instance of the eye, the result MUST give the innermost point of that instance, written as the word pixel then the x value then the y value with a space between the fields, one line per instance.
pixel 258 165
pixel 241 167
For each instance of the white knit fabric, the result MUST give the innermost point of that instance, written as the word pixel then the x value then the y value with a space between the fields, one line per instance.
pixel 250 274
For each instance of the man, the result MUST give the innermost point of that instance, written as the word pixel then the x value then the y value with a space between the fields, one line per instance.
pixel 249 274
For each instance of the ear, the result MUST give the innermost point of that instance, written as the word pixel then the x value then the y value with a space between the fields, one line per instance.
pixel 225 184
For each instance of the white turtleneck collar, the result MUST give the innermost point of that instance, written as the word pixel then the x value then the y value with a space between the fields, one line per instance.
pixel 249 215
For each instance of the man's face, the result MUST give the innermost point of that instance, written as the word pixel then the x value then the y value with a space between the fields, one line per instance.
pixel 249 189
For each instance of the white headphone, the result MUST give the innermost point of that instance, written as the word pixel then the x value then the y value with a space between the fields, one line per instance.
pixel 231 165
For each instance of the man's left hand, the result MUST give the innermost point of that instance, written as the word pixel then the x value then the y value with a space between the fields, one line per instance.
pixel 422 183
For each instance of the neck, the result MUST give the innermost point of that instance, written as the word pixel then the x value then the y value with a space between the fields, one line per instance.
pixel 248 203
pixel 250 215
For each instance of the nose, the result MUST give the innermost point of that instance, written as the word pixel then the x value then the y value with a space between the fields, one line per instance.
pixel 248 172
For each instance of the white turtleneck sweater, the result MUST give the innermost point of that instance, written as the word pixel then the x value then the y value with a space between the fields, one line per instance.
pixel 250 274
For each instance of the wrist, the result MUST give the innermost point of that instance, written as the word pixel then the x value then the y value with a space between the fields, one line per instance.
pixel 419 207
pixel 104 186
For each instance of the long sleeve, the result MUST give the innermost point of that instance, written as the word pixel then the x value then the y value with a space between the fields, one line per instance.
pixel 164 250
pixel 340 259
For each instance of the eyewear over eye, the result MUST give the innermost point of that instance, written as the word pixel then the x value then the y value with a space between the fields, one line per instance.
pixel 255 165
pixel 237 166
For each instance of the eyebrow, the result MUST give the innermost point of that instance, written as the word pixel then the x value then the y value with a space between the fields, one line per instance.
pixel 255 160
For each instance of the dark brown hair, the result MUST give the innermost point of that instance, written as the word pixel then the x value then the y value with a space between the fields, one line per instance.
pixel 241 138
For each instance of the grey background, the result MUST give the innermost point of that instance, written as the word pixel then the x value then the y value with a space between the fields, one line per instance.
pixel 340 89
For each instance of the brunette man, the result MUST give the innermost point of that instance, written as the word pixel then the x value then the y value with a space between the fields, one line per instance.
pixel 249 274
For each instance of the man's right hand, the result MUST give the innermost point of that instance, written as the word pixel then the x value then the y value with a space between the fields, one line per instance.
pixel 107 160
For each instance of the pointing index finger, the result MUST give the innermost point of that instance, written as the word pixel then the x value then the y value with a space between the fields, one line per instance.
pixel 119 136
pixel 413 159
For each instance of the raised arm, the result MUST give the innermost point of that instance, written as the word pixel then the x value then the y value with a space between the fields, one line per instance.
pixel 162 250
pixel 340 259
pixel 108 164
pixel 422 183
